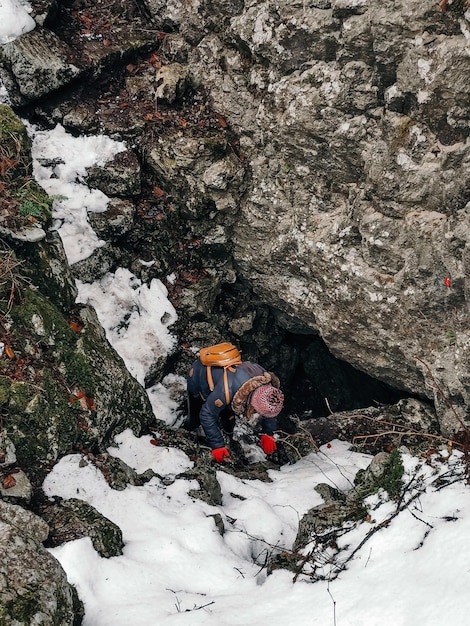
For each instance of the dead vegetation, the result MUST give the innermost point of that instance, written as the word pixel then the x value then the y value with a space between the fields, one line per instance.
pixel 22 200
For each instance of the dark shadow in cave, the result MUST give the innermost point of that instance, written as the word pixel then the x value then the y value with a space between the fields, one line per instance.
pixel 321 384
pixel 315 383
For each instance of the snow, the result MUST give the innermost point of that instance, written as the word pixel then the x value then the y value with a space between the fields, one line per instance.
pixel 177 569
pixel 15 20
pixel 61 173
pixel 135 317
pixel 401 568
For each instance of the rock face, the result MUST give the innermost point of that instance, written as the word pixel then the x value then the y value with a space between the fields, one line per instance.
pixel 334 183
pixel 353 119
pixel 42 61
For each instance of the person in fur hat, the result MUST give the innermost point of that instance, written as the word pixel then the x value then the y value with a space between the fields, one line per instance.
pixel 245 388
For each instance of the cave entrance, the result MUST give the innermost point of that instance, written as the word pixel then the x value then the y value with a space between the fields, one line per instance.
pixel 315 383
pixel 321 383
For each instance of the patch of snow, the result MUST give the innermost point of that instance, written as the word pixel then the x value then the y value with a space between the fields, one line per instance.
pixel 135 317
pixel 162 399
pixel 138 454
pixel 60 163
pixel 15 20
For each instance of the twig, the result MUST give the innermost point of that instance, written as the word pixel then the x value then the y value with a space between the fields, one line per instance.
pixel 421 520
pixel 305 435
pixel 202 606
pixel 405 432
pixel 195 608
pixel 334 603
pixel 327 402
pixel 305 558
pixel 410 432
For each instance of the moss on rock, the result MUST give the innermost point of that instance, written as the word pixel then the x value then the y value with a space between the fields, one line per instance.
pixel 64 389
pixel 22 197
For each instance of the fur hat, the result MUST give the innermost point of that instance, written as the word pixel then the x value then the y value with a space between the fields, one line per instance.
pixel 241 399
pixel 267 400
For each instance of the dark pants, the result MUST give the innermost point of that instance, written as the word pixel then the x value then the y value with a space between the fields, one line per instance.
pixel 226 417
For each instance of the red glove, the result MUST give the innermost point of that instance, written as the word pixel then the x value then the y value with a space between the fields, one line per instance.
pixel 219 454
pixel 268 444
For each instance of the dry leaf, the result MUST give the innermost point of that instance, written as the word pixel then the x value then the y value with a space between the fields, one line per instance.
pixel 90 403
pixel 222 122
pixel 8 482
pixel 157 192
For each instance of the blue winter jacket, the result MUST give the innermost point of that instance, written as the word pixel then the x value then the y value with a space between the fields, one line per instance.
pixel 215 401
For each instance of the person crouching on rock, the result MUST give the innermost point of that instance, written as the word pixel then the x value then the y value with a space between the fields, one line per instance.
pixel 218 393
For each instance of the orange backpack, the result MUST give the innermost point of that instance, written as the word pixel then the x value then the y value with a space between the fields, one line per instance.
pixel 224 355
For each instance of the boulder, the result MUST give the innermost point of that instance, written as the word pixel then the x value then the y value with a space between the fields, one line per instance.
pixel 33 585
pixel 172 81
pixel 73 519
pixel 120 176
pixel 35 65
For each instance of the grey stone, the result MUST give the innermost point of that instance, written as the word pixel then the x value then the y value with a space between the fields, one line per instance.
pixel 8 456
pixel 73 519
pixel 25 522
pixel 34 65
pixel 116 221
pixel 118 177
pixel 33 585
pixel 21 490
pixel 172 82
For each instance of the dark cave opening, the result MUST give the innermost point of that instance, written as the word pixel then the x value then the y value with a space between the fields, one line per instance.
pixel 315 382
pixel 321 384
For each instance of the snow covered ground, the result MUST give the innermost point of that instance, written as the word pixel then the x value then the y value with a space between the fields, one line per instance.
pixel 177 568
